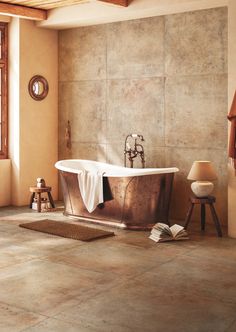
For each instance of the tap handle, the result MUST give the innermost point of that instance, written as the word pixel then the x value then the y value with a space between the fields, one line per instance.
pixel 128 147
pixel 137 136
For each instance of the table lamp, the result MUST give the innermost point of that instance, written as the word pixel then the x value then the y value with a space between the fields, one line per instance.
pixel 202 172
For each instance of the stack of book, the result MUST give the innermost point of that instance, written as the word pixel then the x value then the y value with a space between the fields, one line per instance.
pixel 45 204
pixel 162 232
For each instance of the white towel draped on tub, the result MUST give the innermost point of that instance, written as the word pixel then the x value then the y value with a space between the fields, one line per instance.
pixel 91 188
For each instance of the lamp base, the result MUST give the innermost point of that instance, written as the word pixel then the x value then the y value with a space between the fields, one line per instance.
pixel 202 188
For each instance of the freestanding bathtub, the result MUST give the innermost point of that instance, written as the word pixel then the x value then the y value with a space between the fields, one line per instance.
pixel 134 198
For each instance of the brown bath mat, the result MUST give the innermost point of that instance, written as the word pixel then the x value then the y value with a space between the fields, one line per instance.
pixel 71 231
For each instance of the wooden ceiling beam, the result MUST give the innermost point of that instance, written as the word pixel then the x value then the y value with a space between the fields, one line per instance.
pixel 47 4
pixel 23 11
pixel 124 3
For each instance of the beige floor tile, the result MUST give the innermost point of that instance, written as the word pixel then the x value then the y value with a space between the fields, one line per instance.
pixel 43 287
pixel 11 254
pixel 121 260
pixel 201 277
pixel 55 325
pixel 13 319
pixel 137 306
pixel 232 327
pixel 121 284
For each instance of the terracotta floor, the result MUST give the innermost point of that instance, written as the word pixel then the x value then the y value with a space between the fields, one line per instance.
pixel 119 284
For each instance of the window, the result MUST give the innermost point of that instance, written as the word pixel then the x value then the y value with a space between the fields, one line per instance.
pixel 3 92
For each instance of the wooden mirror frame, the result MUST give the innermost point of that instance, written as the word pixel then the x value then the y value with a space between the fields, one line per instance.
pixel 41 79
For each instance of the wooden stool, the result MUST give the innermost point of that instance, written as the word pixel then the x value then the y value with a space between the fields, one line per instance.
pixel 38 192
pixel 210 200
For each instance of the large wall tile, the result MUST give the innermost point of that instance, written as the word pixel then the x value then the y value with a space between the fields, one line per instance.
pixel 154 157
pixel 196 111
pixel 115 154
pixel 63 151
pixel 183 158
pixel 196 42
pixel 82 53
pixel 89 151
pixel 136 106
pixel 136 48
pixel 84 103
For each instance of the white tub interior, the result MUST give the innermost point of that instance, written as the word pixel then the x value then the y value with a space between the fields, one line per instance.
pixel 109 170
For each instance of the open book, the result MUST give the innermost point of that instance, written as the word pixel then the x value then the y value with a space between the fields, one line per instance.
pixel 162 232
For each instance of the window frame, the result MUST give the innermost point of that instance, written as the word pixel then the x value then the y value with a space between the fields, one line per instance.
pixel 4 91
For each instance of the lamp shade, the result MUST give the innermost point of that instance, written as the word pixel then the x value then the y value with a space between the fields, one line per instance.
pixel 202 171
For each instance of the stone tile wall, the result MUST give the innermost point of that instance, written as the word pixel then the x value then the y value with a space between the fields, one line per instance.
pixel 164 77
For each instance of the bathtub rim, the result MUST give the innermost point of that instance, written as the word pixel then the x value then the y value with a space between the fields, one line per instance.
pixel 118 171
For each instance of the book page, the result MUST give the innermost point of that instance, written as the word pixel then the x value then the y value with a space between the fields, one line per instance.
pixel 163 228
pixel 154 238
pixel 160 239
pixel 176 229
pixel 156 232
pixel 181 235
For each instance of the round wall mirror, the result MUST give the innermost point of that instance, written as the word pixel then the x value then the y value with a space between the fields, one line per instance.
pixel 38 87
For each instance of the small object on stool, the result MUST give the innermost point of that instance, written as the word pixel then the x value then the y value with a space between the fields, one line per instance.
pixel 210 200
pixel 45 204
pixel 38 191
pixel 41 183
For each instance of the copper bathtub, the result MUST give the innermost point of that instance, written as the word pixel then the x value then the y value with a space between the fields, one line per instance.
pixel 133 198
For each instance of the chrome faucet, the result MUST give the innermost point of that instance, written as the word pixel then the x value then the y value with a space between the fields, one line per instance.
pixel 137 150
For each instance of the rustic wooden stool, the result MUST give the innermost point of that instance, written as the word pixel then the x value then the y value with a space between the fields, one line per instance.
pixel 38 192
pixel 210 200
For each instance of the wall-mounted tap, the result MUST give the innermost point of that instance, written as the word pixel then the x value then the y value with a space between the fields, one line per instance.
pixel 137 150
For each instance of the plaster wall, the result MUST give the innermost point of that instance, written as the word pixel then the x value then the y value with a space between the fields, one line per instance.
pixel 33 124
pixel 5 180
pixel 14 108
pixel 164 77
pixel 39 119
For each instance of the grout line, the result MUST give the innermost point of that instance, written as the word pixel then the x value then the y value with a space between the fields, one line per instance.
pixel 230 325
pixel 34 325
pixel 24 310
pixel 154 146
pixel 106 98
pixel 145 77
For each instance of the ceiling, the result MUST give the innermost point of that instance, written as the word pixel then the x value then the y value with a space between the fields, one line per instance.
pixel 48 4
pixel 65 14
pixel 39 10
